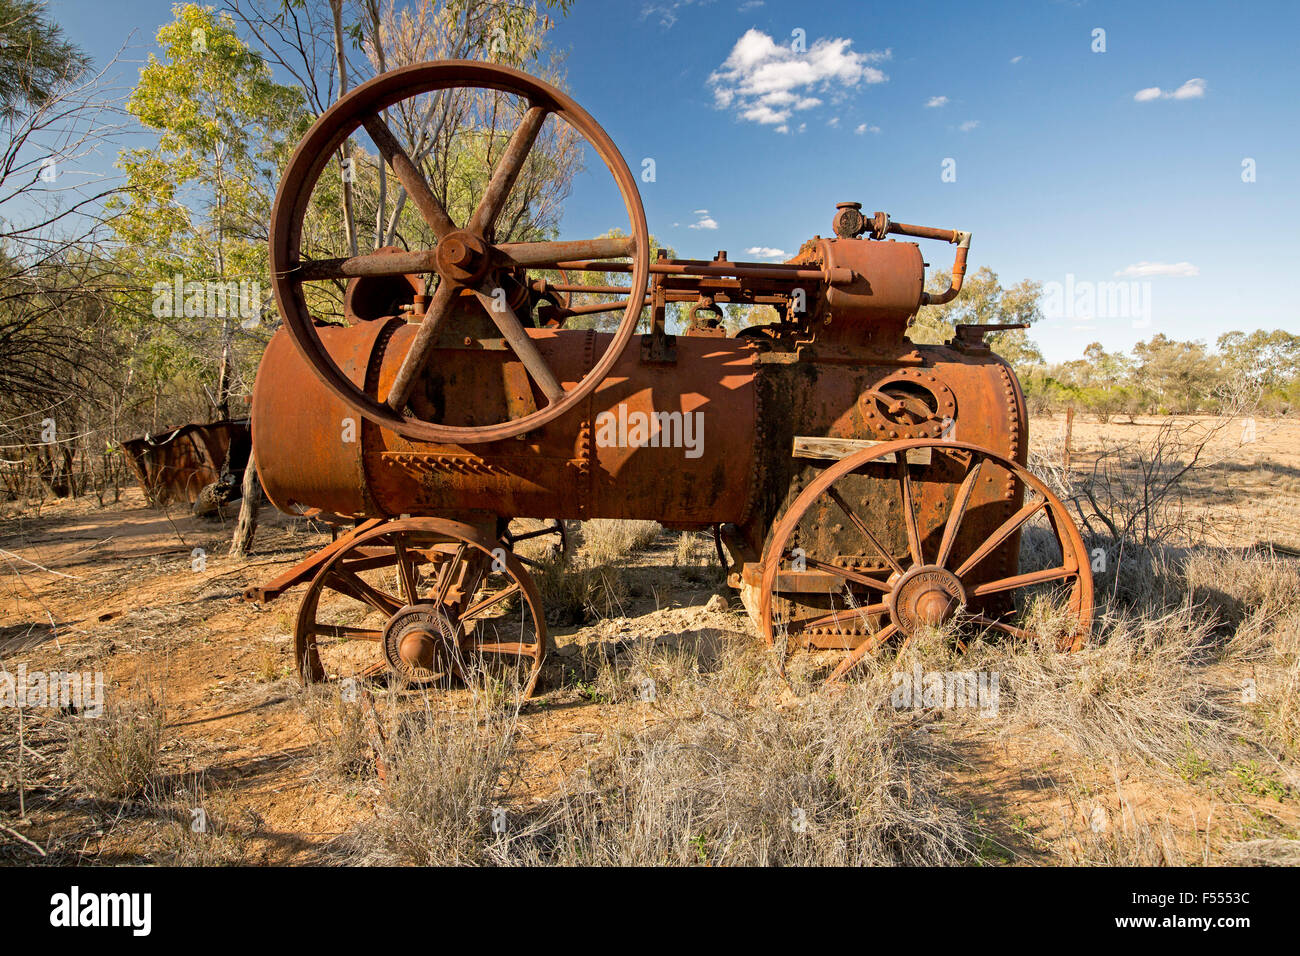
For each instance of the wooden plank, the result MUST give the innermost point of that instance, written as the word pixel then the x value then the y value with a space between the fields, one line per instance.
pixel 834 449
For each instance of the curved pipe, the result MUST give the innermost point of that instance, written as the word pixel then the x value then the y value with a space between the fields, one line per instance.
pixel 958 272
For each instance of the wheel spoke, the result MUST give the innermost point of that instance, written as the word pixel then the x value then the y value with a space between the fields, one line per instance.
pixel 1023 580
pixel 848 574
pixel 909 513
pixel 1005 628
pixel 409 175
pixel 861 651
pixel 507 171
pixel 366 266
pixel 491 600
pixel 838 617
pixel 349 583
pixel 537 254
pixel 959 505
pixel 448 573
pixel 341 632
pixel 1004 531
pixel 509 647
pixel 426 337
pixel 376 669
pixel 524 348
pixel 863 529
pixel 405 570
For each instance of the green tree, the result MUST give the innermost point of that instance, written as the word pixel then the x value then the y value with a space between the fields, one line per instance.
pixel 35 58
pixel 1268 360
pixel 197 204
pixel 983 301
pixel 1183 374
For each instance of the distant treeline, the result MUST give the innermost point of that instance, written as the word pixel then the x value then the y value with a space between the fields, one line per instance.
pixel 1163 376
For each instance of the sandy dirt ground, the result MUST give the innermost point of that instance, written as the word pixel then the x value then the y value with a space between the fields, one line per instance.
pixel 122 589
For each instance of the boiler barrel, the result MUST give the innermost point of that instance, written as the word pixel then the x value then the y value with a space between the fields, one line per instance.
pixel 674 443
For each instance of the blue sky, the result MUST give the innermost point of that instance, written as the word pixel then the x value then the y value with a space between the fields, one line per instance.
pixel 1123 165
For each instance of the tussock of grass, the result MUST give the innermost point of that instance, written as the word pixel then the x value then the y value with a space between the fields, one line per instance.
pixel 197 828
pixel 1254 597
pixel 610 540
pixel 1265 852
pixel 114 756
pixel 1139 691
pixel 443 775
pixel 1126 840
pixel 344 730
pixel 593 585
pixel 576 592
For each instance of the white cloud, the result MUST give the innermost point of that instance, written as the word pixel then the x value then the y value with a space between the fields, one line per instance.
pixel 705 221
pixel 699 212
pixel 766 82
pixel 1017 59
pixel 969 125
pixel 765 252
pixel 866 128
pixel 833 121
pixel 1147 270
pixel 664 12
pixel 1193 89
pixel 936 101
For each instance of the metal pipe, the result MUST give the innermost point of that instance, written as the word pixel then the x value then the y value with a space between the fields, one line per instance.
pixel 958 271
pixel 741 270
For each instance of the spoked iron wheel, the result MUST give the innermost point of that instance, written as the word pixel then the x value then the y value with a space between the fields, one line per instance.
pixel 479 277
pixel 424 600
pixel 918 534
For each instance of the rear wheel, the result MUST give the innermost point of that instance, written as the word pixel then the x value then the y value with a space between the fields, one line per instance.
pixel 921 554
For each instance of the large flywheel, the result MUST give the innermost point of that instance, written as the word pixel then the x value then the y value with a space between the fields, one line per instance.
pixel 475 274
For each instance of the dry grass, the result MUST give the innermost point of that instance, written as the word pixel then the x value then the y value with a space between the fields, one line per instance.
pixel 344 730
pixel 577 592
pixel 1123 838
pixel 444 773
pixel 1141 690
pixel 115 756
pixel 198 827
pixel 1265 852
pixel 592 584
pixel 833 782
pixel 607 541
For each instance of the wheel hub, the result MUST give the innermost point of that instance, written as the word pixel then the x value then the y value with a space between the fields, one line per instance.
pixel 419 642
pixel 926 596
pixel 462 257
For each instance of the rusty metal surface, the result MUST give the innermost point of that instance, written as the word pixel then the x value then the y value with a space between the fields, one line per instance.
pixel 583 465
pixel 174 466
